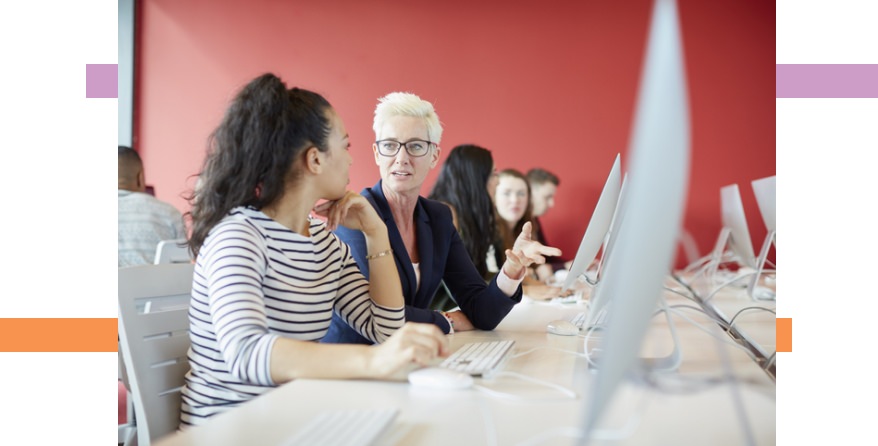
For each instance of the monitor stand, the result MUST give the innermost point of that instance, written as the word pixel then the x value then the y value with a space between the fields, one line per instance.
pixel 755 291
pixel 716 258
pixel 650 364
pixel 723 278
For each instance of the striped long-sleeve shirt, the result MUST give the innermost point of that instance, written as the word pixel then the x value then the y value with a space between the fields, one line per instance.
pixel 255 281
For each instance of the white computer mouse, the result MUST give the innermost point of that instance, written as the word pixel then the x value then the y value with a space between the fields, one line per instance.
pixel 439 378
pixel 563 328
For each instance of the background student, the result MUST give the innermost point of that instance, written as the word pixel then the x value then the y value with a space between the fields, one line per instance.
pixel 514 209
pixel 465 183
pixel 543 187
pixel 144 220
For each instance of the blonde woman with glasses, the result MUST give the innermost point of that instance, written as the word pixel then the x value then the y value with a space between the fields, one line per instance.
pixel 426 248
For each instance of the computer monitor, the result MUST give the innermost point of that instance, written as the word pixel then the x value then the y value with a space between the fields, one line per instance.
pixel 765 190
pixel 734 234
pixel 653 210
pixel 598 225
pixel 599 300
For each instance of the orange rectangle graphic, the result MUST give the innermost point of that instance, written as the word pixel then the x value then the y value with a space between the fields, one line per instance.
pixel 59 335
pixel 784 334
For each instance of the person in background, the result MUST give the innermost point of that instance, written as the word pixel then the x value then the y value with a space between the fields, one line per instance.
pixel 544 186
pixel 465 183
pixel 427 249
pixel 269 277
pixel 144 220
pixel 512 199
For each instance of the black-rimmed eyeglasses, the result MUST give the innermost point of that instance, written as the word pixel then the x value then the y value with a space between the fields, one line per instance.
pixel 415 148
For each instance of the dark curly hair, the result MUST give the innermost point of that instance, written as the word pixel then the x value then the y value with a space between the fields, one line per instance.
pixel 462 183
pixel 252 154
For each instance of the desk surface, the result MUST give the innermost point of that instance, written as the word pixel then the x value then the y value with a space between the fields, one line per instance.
pixel 694 405
pixel 753 321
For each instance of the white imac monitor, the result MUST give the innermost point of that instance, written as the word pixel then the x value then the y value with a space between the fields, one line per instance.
pixel 765 190
pixel 655 197
pixel 735 230
pixel 599 300
pixel 598 226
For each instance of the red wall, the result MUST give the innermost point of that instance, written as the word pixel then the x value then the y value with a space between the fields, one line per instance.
pixel 539 83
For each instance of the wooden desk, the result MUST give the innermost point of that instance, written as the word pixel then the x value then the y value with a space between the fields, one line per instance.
pixel 699 411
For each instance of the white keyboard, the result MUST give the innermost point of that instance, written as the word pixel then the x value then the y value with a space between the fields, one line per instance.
pixel 478 358
pixel 581 319
pixel 347 427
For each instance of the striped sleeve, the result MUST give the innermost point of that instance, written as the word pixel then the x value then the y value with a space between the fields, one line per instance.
pixel 234 271
pixel 355 305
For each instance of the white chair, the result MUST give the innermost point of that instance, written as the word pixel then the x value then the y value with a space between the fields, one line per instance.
pixel 128 430
pixel 172 251
pixel 154 340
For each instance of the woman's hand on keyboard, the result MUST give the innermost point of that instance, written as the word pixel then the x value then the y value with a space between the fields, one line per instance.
pixel 413 343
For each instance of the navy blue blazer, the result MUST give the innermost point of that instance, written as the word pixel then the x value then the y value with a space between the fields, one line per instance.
pixel 443 257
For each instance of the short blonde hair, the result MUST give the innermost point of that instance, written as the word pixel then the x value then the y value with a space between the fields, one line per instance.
pixel 407 104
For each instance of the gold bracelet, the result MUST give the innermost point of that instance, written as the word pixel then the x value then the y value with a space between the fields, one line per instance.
pixel 380 254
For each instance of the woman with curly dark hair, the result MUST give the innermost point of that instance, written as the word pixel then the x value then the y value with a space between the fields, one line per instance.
pixel 269 276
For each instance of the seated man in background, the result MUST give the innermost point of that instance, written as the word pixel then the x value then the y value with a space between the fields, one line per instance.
pixel 144 221
pixel 543 186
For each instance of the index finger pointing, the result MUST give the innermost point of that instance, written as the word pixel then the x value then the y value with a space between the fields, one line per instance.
pixel 549 251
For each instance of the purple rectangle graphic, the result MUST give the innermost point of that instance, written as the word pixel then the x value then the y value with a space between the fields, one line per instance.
pixel 826 81
pixel 102 80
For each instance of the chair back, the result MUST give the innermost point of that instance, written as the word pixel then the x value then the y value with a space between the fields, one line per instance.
pixel 154 340
pixel 172 251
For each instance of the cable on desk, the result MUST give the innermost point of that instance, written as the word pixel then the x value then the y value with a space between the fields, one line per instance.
pixel 720 338
pixel 717 320
pixel 699 263
pixel 712 316
pixel 678 292
pixel 737 401
pixel 676 384
pixel 732 321
pixel 569 394
pixel 725 284
pixel 730 326
pixel 710 296
pixel 702 265
pixel 678 279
